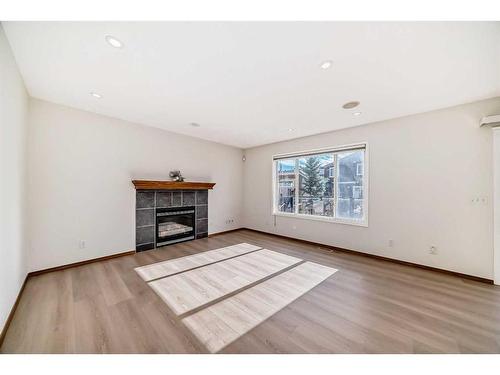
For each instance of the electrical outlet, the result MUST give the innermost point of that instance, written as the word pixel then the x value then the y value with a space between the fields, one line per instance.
pixel 479 200
pixel 391 243
pixel 81 244
pixel 433 250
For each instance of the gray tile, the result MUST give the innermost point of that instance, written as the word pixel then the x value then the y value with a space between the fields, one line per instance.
pixel 202 197
pixel 176 198
pixel 188 198
pixel 144 217
pixel 144 235
pixel 145 199
pixel 202 212
pixel 202 226
pixel 145 247
pixel 164 199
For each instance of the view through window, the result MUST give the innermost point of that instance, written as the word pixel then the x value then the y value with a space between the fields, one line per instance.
pixel 328 184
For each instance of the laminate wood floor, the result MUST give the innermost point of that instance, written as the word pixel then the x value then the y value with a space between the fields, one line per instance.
pixel 368 306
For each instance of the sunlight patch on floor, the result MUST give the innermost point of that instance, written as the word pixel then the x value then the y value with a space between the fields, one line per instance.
pixel 223 300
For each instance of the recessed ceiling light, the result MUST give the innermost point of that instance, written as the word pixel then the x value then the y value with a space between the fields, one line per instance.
pixel 356 113
pixel 291 130
pixel 350 105
pixel 96 95
pixel 326 64
pixel 195 125
pixel 113 42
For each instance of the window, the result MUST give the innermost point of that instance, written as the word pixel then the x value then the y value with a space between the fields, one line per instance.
pixel 356 192
pixel 285 172
pixel 359 169
pixel 327 185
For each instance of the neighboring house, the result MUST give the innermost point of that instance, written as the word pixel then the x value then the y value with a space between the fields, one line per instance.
pixel 286 178
pixel 329 175
pixel 350 186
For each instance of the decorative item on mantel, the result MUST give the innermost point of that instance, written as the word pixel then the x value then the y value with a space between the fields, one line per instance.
pixel 176 176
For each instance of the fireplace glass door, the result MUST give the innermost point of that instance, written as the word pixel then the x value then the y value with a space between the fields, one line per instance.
pixel 174 225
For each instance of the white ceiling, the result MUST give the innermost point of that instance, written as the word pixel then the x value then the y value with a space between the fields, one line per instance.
pixel 246 84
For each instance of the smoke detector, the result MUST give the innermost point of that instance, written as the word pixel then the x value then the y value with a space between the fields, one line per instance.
pixel 491 121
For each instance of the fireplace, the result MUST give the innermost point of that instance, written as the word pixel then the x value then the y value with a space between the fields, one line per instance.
pixel 175 225
pixel 168 212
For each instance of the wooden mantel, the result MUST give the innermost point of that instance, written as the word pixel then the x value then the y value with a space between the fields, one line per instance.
pixel 172 185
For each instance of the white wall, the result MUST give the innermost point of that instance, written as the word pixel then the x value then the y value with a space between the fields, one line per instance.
pixel 80 171
pixel 13 107
pixel 425 171
pixel 496 203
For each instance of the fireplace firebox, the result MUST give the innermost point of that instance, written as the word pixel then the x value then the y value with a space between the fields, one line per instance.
pixel 174 225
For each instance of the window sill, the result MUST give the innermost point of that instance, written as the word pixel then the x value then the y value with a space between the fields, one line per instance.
pixel 358 223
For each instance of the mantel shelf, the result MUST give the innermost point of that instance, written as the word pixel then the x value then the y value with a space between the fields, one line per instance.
pixel 172 185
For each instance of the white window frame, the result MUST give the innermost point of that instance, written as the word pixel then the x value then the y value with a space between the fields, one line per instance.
pixel 355 222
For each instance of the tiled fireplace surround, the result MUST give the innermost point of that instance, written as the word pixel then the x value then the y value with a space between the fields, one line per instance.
pixel 147 201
